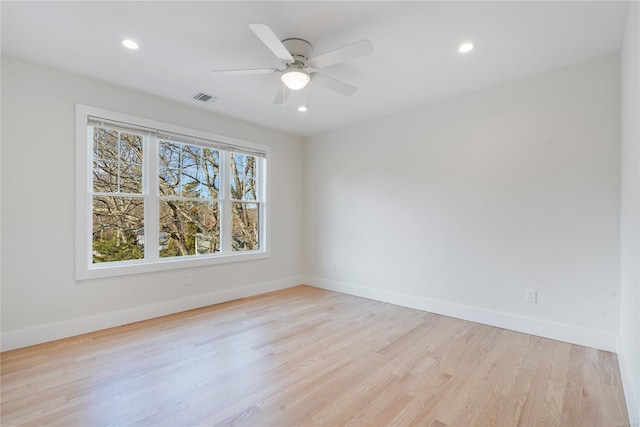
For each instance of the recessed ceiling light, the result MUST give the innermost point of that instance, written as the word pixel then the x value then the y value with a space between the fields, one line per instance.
pixel 465 47
pixel 302 108
pixel 128 43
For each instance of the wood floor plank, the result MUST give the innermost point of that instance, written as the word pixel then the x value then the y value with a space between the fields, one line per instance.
pixel 309 357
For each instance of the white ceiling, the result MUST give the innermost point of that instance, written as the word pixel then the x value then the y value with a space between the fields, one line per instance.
pixel 415 62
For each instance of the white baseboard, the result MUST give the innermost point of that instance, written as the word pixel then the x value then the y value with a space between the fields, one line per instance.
pixel 68 328
pixel 557 331
pixel 631 396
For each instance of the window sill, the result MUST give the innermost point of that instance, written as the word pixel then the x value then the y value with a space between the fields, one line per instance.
pixel 132 267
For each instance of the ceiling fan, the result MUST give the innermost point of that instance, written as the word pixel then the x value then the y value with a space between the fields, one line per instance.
pixel 295 55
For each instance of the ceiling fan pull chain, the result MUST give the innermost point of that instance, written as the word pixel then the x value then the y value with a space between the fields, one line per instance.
pixel 284 99
pixel 306 99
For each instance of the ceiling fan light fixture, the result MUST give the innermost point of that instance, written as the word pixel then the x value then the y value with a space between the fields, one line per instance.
pixel 295 79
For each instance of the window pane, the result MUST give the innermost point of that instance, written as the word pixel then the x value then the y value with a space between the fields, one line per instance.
pixel 211 184
pixel 210 173
pixel 131 148
pixel 191 159
pixel 245 226
pixel 189 228
pixel 169 182
pixel 211 160
pixel 169 168
pixel 105 144
pixel 118 228
pixel 105 176
pixel 130 178
pixel 243 177
pixel 191 156
pixel 169 154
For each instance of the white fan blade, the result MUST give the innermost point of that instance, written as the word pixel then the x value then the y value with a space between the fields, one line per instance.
pixel 333 84
pixel 246 72
pixel 282 95
pixel 353 50
pixel 268 37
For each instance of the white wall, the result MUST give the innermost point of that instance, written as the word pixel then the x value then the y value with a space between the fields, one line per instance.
pixel 40 298
pixel 628 350
pixel 460 206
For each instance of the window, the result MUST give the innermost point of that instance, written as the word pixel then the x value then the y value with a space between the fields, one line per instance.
pixel 152 196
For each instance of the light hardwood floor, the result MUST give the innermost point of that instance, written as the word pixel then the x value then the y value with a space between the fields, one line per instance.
pixel 310 357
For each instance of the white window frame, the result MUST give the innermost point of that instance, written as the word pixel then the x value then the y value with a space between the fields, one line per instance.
pixel 86 269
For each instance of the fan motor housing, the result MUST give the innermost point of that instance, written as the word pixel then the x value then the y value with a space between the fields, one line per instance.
pixel 300 50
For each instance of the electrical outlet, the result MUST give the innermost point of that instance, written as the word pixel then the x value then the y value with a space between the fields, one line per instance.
pixel 531 296
pixel 334 267
pixel 188 280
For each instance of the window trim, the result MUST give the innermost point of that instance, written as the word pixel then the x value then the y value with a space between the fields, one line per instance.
pixel 85 268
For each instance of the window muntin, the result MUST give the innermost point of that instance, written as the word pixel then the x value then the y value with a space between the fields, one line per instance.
pixel 160 199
